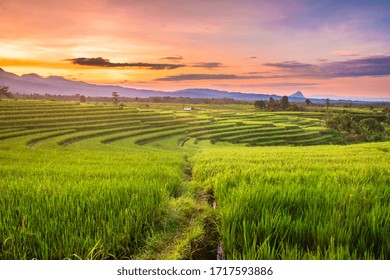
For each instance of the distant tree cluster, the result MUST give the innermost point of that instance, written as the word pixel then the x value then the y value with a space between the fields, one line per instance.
pixel 386 112
pixel 4 92
pixel 280 105
pixel 357 129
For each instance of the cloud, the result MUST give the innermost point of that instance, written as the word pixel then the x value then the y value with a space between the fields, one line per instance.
pixel 252 57
pixel 208 65
pixel 361 67
pixel 102 62
pixel 290 65
pixel 193 77
pixel 172 58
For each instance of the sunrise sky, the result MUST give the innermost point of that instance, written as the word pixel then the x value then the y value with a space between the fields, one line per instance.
pixel 323 48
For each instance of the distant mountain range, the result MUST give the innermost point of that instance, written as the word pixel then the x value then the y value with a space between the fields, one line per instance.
pixel 55 85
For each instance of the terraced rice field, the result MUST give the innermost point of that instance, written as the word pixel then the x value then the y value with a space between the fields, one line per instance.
pixel 88 181
pixel 70 123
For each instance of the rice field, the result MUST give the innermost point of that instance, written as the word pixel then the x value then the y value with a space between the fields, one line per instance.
pixel 96 181
pixel 39 123
pixel 68 204
pixel 320 202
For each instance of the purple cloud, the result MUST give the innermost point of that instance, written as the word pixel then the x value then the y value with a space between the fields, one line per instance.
pixel 172 58
pixel 102 62
pixel 290 65
pixel 361 67
pixel 369 66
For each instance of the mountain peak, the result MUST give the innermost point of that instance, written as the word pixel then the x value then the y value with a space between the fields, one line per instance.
pixel 31 75
pixel 298 94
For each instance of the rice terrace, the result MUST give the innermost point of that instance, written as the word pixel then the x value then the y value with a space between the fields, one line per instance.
pixel 136 180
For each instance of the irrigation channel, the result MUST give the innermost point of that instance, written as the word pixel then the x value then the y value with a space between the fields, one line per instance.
pixel 210 246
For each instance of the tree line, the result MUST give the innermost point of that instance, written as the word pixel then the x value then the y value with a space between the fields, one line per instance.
pixel 116 98
pixel 281 105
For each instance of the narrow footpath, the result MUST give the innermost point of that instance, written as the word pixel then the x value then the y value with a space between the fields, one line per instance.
pixel 189 226
pixel 208 247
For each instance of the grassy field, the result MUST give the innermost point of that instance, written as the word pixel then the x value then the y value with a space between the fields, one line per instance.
pixel 93 181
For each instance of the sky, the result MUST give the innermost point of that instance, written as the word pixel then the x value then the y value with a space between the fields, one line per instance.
pixel 322 48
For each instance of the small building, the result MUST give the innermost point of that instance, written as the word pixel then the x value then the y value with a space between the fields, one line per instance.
pixel 187 109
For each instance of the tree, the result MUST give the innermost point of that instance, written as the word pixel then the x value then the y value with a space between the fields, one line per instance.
pixel 271 103
pixel 293 107
pixel 370 126
pixel 284 102
pixel 386 111
pixel 327 103
pixel 342 122
pixel 4 91
pixel 365 129
pixel 115 98
pixel 82 98
pixel 261 104
pixel 308 102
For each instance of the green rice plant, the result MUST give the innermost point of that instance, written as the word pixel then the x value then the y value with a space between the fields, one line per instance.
pixel 323 202
pixel 88 134
pixel 254 133
pixel 82 204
